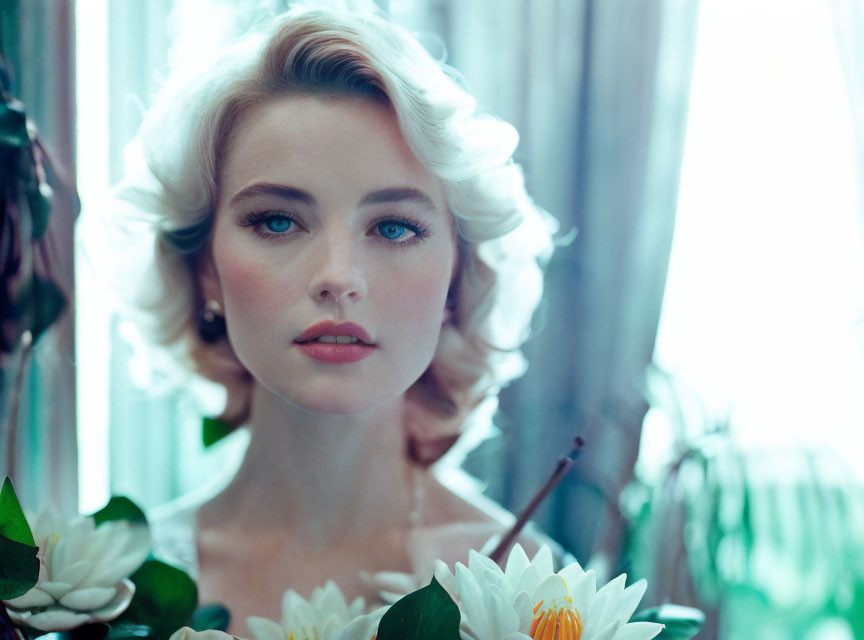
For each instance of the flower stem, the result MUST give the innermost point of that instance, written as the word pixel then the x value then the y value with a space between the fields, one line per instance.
pixel 563 466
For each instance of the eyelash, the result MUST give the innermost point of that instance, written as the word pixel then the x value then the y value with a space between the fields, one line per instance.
pixel 256 220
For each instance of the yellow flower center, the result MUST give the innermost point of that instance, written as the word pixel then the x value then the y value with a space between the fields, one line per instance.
pixel 556 623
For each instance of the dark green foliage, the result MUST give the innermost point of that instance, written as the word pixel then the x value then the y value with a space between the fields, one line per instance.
pixel 211 616
pixel 426 614
pixel 119 508
pixel 13 524
pixel 19 570
pixel 165 598
pixel 682 623
pixel 213 430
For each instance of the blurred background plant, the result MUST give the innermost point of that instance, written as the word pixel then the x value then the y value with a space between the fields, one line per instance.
pixel 769 543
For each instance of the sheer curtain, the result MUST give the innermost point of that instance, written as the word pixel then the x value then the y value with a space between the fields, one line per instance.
pixel 599 92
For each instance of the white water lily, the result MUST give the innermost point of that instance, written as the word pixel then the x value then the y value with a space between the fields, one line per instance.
pixel 326 616
pixel 527 600
pixel 187 633
pixel 83 572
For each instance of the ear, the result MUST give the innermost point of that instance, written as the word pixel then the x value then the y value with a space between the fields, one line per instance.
pixel 208 278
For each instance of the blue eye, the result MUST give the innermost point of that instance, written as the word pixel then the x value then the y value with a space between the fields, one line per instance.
pixel 277 224
pixel 391 230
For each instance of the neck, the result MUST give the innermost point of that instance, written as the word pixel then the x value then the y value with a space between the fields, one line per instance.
pixel 324 478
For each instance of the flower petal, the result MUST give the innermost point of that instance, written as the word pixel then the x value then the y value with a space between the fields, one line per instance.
pixel 446 579
pixel 480 564
pixel 638 631
pixel 474 611
pixel 629 600
pixel 264 629
pixel 73 574
pixel 543 561
pixel 504 618
pixel 614 587
pixel 583 590
pixel 56 620
pixel 187 633
pixel 552 589
pixel 524 608
pixel 572 572
pixel 361 628
pixel 529 579
pixel 517 561
pixel 119 604
pixel 88 599
pixel 30 600
pixel 609 631
pixel 56 589
pixel 610 594
pixel 593 619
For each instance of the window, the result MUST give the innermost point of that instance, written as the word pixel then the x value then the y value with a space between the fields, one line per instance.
pixel 763 314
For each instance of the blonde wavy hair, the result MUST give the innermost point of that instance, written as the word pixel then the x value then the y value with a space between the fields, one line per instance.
pixel 167 200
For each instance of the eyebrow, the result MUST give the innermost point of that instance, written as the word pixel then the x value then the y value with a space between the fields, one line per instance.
pixel 381 196
pixel 269 189
pixel 384 196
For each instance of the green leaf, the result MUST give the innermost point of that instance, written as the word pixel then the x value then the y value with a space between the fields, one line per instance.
pixel 212 616
pixel 164 598
pixel 119 508
pixel 213 430
pixel 682 623
pixel 19 570
pixel 426 614
pixel 13 524
pixel 39 201
pixel 13 124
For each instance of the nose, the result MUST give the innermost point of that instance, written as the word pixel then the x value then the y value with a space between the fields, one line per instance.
pixel 338 275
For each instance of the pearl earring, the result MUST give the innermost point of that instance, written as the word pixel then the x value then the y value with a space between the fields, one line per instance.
pixel 211 322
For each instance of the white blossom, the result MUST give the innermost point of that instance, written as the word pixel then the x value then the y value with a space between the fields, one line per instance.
pixel 326 616
pixel 83 572
pixel 527 600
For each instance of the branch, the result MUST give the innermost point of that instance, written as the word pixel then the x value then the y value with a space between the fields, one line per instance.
pixel 564 465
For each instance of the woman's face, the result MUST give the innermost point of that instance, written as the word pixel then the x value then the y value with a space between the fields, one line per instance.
pixel 325 216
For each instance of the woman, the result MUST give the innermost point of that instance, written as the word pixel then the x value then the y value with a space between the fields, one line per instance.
pixel 345 245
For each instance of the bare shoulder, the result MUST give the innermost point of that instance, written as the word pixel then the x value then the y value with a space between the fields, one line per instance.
pixel 453 496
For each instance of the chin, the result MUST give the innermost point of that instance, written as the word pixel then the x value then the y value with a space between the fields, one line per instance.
pixel 330 403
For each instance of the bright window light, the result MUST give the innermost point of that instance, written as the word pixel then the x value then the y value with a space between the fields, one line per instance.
pixel 763 315
pixel 92 314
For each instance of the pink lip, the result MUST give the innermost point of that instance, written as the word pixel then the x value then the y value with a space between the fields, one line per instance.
pixel 336 353
pixel 328 328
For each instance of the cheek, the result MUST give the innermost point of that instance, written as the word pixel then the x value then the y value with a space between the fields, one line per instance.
pixel 417 297
pixel 251 288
